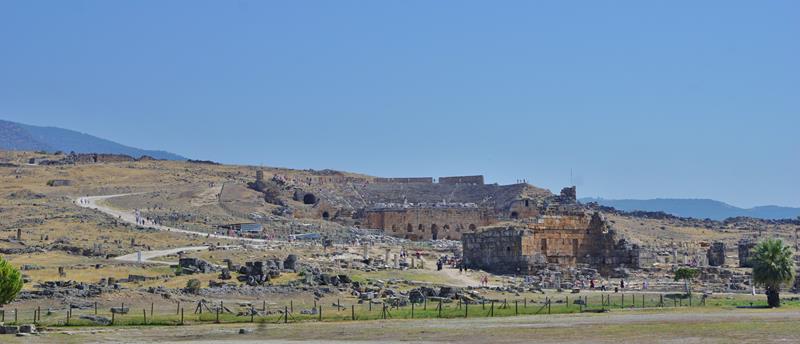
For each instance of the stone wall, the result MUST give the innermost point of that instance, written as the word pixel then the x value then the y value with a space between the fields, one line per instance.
pixel 744 247
pixel 565 241
pixel 425 223
pixel 471 180
pixel 413 180
pixel 716 254
pixel 524 208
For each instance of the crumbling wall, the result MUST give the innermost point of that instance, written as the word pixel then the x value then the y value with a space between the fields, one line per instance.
pixel 565 241
pixel 524 208
pixel 745 247
pixel 413 180
pixel 469 180
pixel 501 250
pixel 426 223
pixel 716 254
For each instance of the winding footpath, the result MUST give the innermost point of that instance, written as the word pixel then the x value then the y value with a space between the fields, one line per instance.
pixel 92 202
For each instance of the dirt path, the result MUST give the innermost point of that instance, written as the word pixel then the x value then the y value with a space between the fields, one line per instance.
pixel 456 278
pixel 92 202
pixel 148 256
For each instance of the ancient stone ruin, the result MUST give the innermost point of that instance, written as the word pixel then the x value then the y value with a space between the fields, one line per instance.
pixel 560 240
pixel 716 254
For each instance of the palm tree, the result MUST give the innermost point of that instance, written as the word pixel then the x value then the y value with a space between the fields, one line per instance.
pixel 773 266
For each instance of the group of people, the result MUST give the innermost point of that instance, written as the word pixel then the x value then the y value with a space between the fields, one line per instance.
pixel 484 280
pixel 453 262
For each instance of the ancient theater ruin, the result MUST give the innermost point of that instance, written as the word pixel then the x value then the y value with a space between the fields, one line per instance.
pixel 516 228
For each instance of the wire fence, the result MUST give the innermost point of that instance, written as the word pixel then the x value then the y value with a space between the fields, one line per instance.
pixel 201 312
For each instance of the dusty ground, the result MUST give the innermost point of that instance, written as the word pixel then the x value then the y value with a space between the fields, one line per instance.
pixel 714 326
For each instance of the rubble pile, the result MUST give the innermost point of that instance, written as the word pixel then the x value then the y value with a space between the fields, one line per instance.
pixel 195 265
pixel 64 289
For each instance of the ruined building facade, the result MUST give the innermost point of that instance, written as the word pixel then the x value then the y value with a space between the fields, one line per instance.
pixel 563 240
pixel 453 206
pixel 429 223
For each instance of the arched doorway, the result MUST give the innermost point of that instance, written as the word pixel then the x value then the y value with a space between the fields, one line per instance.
pixel 434 231
pixel 409 228
pixel 309 198
pixel 325 215
pixel 514 215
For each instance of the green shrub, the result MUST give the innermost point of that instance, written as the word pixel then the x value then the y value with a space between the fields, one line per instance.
pixel 10 282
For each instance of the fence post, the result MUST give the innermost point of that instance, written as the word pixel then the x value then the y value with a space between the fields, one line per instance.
pixel 466 309
pixel 291 305
pixel 144 313
pixel 181 316
pixel 622 305
pixel 178 310
pixel 264 306
pixel 252 313
pixel 285 315
pixel 113 315
pixel 568 301
pixel 353 311
pixel 412 310
pixel 492 309
pixel 440 308
pixel 152 314
pixel 548 306
pixel 217 317
pixel 95 308
pixel 320 312
pixel 516 307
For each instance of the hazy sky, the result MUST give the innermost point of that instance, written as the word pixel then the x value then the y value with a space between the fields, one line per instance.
pixel 640 99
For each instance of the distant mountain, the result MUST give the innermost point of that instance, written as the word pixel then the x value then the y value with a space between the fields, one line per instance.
pixel 697 208
pixel 23 137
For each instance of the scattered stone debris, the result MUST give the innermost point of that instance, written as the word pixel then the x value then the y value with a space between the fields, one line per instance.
pixel 194 265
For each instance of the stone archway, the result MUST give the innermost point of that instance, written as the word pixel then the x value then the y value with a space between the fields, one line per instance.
pixel 514 215
pixel 309 198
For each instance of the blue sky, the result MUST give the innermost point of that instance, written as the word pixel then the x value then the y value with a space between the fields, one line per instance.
pixel 639 99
